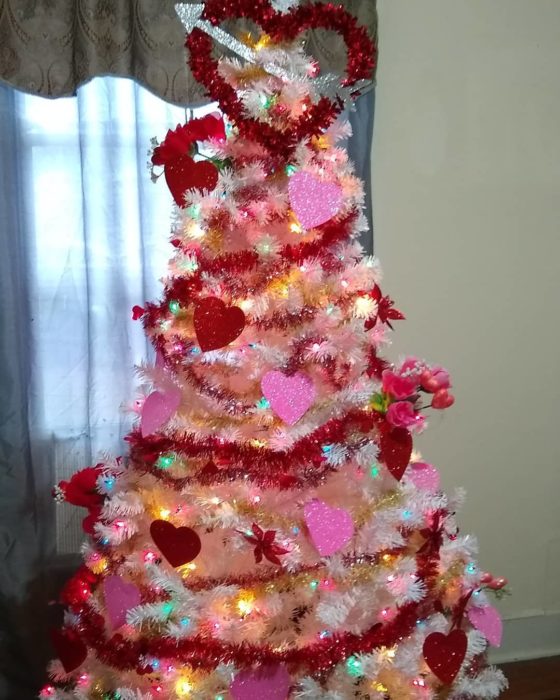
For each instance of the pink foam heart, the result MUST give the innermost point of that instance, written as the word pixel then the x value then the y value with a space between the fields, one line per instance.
pixel 313 200
pixel 120 597
pixel 289 397
pixel 158 409
pixel 330 528
pixel 264 683
pixel 488 621
pixel 424 476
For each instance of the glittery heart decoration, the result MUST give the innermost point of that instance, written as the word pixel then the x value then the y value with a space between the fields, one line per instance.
pixel 183 174
pixel 445 654
pixel 263 683
pixel 69 648
pixel 289 396
pixel 215 324
pixel 395 448
pixel 281 28
pixel 330 528
pixel 179 545
pixel 488 621
pixel 158 409
pixel 424 476
pixel 120 597
pixel 313 200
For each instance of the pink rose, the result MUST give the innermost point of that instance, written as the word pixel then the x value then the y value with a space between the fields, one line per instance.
pixel 398 387
pixel 401 414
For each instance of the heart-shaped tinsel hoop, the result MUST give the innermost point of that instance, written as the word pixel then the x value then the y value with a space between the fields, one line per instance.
pixel 280 28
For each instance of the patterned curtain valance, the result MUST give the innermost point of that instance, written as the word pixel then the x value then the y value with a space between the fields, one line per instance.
pixel 51 47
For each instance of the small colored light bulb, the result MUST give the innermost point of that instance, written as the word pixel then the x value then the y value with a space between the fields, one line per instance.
pixel 354 667
pixel 183 687
pixel 165 461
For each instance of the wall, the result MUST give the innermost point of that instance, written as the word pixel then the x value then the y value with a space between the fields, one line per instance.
pixel 466 162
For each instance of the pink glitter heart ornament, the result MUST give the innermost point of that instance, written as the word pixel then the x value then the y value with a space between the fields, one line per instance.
pixel 264 683
pixel 289 397
pixel 313 200
pixel 158 409
pixel 424 476
pixel 488 621
pixel 330 528
pixel 120 597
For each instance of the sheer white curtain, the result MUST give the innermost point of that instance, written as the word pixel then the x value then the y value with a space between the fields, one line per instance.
pixel 84 235
pixel 98 228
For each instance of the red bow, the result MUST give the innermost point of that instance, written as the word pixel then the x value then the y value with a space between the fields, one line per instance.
pixel 179 141
pixel 137 312
pixel 265 545
pixel 82 491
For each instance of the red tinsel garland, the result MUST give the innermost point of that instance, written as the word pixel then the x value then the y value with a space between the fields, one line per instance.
pixel 254 460
pixel 201 652
pixel 280 27
pixel 230 265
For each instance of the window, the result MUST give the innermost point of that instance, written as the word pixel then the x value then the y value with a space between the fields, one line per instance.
pixel 98 232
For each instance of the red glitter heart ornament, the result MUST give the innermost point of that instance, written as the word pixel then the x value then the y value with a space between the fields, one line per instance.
pixel 179 545
pixel 445 654
pixel 183 174
pixel 280 28
pixel 217 325
pixel 395 449
pixel 69 648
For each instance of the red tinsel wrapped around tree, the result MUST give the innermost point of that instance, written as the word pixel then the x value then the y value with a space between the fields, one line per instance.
pixel 272 534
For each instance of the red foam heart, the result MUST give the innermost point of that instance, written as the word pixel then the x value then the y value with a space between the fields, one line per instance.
pixel 179 545
pixel 215 324
pixel 395 448
pixel 183 174
pixel 280 27
pixel 69 648
pixel 445 654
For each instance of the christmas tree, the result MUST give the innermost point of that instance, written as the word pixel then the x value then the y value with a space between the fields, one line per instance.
pixel 272 534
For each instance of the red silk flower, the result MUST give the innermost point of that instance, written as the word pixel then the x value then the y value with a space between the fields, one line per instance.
pixel 179 141
pixel 265 545
pixel 385 310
